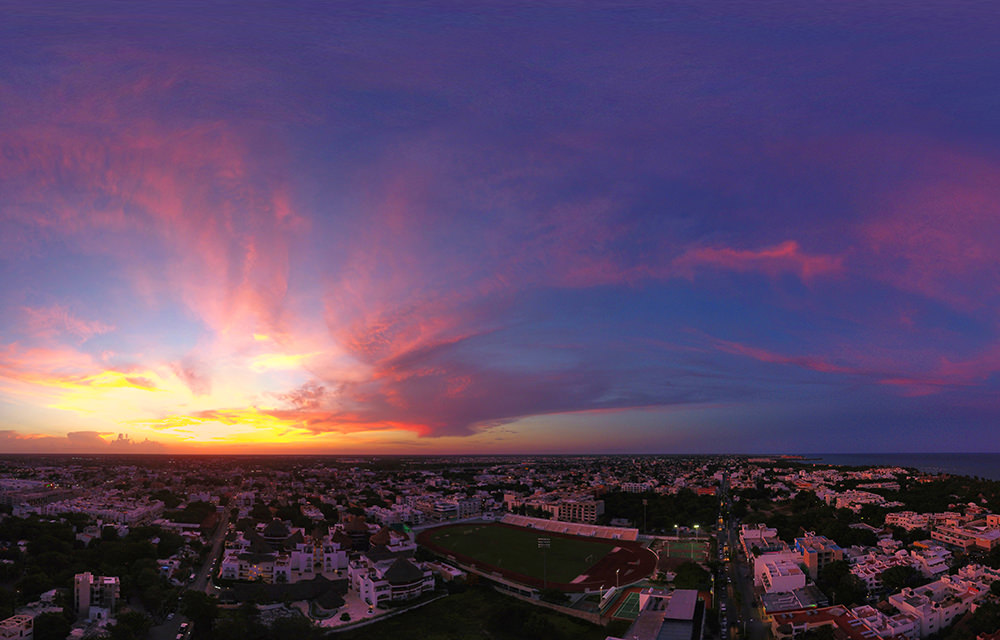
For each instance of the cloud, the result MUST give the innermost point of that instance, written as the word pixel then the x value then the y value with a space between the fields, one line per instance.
pixel 763 355
pixel 14 441
pixel 312 395
pixel 786 257
pixel 66 369
pixel 194 374
pixel 936 233
pixel 56 320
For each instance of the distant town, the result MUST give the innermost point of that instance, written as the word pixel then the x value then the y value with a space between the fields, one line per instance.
pixel 546 547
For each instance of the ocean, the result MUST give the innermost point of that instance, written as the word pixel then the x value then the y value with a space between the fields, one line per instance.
pixel 983 465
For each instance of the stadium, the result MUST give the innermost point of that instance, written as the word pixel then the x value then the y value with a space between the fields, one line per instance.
pixel 535 558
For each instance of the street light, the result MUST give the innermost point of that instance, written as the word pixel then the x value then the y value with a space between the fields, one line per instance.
pixel 616 576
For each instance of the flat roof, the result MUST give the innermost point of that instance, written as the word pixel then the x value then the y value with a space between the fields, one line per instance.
pixel 681 605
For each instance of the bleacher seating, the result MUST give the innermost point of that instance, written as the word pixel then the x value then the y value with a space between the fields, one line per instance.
pixel 586 530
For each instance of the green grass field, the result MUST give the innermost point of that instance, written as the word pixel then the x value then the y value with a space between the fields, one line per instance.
pixel 517 550
pixel 696 550
pixel 629 608
pixel 483 613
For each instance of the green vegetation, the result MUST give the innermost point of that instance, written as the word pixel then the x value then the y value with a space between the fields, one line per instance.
pixel 517 550
pixel 194 513
pixel 130 625
pixel 806 512
pixel 985 620
pixel 840 585
pixel 895 578
pixel 54 556
pixel 202 609
pixel 52 626
pixel 691 576
pixel 243 623
pixel 479 613
pixel 685 508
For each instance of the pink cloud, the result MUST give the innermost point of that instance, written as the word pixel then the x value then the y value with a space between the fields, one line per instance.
pixel 945 375
pixel 132 185
pixel 938 234
pixel 786 257
pixel 56 320
pixel 806 362
pixel 35 370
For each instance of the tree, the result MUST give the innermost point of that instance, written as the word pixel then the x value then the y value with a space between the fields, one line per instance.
pixel 895 578
pixel 691 575
pixel 851 590
pixel 51 626
pixel 200 607
pixel 131 625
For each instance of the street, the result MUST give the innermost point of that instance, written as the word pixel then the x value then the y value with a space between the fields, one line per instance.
pixel 171 628
pixel 738 580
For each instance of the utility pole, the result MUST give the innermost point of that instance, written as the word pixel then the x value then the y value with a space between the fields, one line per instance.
pixel 645 501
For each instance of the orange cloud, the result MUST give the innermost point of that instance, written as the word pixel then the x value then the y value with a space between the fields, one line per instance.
pixel 12 441
pixel 30 371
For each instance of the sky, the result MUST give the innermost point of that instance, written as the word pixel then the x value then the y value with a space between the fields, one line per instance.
pixel 505 227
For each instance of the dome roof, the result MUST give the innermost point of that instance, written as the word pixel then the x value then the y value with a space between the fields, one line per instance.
pixel 356 525
pixel 381 537
pixel 403 571
pixel 276 529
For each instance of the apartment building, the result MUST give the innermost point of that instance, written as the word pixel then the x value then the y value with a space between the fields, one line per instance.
pixel 817 552
pixel 95 596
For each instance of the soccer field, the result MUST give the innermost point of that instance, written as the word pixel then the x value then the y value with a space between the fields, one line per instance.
pixel 514 549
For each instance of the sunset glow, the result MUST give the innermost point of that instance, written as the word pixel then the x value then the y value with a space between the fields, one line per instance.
pixel 661 227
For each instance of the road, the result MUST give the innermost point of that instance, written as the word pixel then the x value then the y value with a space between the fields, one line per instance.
pixel 736 578
pixel 170 629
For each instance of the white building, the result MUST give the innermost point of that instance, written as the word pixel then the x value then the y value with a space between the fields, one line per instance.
pixel 908 520
pixel 885 626
pixel 390 580
pixel 936 605
pixel 782 575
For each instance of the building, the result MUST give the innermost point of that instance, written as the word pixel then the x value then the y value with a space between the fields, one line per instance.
pixel 886 626
pixel 19 627
pixel 95 596
pixel 757 539
pixel 908 520
pixel 973 535
pixel 779 574
pixel 389 580
pixel 936 605
pixel 817 552
pixel 666 616
pixel 579 510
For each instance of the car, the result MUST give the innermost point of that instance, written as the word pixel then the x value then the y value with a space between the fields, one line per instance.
pixel 170 616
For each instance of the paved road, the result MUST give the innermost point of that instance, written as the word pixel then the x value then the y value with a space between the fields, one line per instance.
pixel 743 620
pixel 202 582
pixel 203 579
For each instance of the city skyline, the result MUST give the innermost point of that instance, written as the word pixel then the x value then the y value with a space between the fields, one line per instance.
pixel 474 228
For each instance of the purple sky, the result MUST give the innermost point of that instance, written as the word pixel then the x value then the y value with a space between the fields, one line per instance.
pixel 430 227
